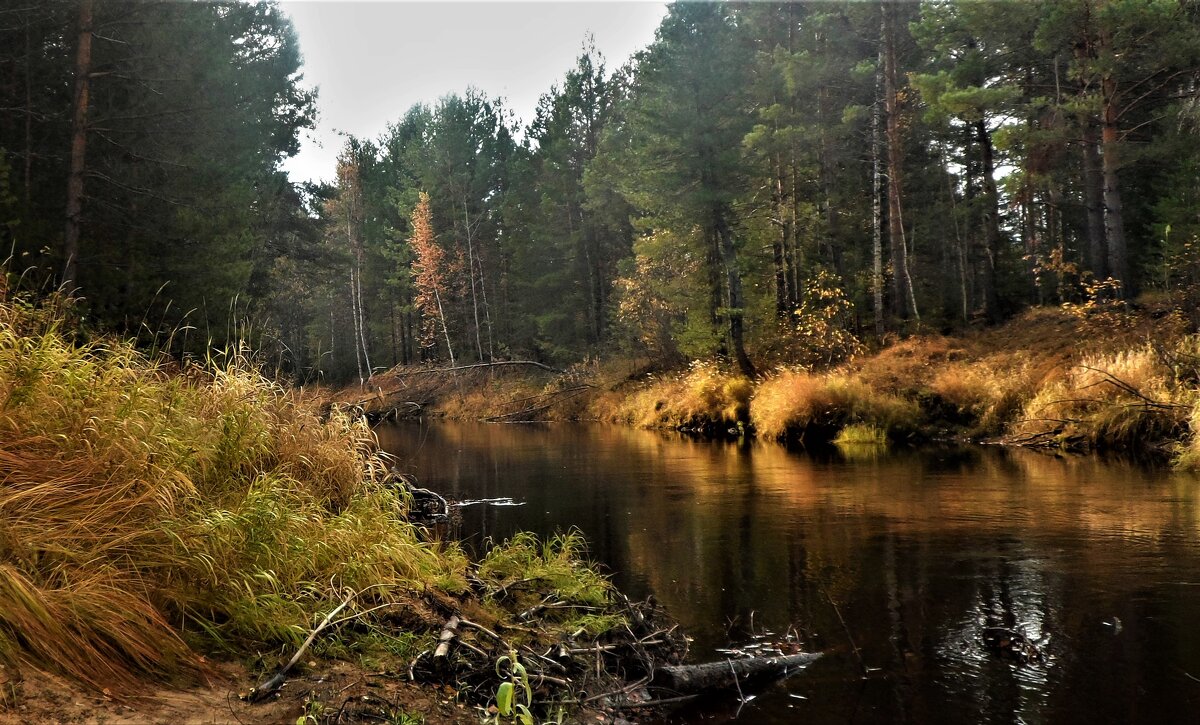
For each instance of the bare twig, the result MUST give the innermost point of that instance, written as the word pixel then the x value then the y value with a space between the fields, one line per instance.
pixel 261 692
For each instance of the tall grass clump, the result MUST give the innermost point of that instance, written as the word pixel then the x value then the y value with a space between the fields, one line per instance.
pixel 983 397
pixel 145 510
pixel 562 581
pixel 798 404
pixel 1128 399
pixel 704 398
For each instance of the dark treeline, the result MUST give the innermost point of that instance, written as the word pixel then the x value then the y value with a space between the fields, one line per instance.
pixel 140 145
pixel 766 182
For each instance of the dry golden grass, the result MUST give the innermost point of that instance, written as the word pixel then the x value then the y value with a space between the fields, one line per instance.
pixel 798 404
pixel 985 395
pixel 1127 399
pixel 135 500
pixel 704 397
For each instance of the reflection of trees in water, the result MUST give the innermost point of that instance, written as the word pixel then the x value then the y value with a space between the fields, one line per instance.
pixel 920 553
pixel 1011 597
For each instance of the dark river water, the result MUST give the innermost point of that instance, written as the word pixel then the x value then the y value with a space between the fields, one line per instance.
pixel 894 564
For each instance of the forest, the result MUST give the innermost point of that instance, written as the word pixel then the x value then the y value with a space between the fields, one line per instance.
pixel 766 183
pixel 876 232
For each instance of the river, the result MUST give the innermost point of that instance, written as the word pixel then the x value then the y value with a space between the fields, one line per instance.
pixel 894 564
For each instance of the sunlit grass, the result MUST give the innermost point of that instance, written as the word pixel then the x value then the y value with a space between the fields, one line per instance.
pixel 702 397
pixel 1128 399
pixel 800 404
pixel 144 509
pixel 859 434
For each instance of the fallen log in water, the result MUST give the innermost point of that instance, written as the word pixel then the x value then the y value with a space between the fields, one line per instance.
pixel 691 679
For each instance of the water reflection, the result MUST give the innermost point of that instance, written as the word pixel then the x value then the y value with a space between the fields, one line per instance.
pixel 895 564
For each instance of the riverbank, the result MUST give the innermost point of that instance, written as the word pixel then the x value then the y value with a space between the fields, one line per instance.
pixel 1076 378
pixel 197 530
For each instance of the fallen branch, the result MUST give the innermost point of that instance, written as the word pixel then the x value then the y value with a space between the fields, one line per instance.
pixel 552 399
pixel 1129 388
pixel 449 632
pixel 260 693
pixel 456 368
pixel 688 679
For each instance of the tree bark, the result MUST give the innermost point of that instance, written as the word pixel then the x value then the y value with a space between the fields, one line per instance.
pixel 471 277
pixel 733 282
pixel 876 204
pixel 991 223
pixel 1114 226
pixel 1093 194
pixel 780 245
pixel 905 296
pixel 362 317
pixel 79 115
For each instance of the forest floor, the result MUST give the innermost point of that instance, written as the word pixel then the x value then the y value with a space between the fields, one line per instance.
pixel 323 691
pixel 1084 377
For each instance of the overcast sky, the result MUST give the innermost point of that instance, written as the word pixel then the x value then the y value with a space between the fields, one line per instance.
pixel 373 60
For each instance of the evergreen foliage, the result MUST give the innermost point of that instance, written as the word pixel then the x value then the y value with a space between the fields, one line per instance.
pixel 944 163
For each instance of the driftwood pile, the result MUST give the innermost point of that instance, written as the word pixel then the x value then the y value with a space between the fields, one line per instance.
pixel 636 668
pixel 575 669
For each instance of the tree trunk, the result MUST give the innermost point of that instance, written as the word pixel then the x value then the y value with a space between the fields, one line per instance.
pixel 905 297
pixel 991 223
pixel 1114 226
pixel 362 319
pixel 960 246
pixel 826 173
pixel 445 330
pixel 1093 190
pixel 876 205
pixel 354 324
pixel 471 278
pixel 27 205
pixel 733 281
pixel 79 114
pixel 780 245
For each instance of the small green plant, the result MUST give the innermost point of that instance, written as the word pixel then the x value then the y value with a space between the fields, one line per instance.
pixel 401 717
pixel 509 704
pixel 314 712
pixel 860 434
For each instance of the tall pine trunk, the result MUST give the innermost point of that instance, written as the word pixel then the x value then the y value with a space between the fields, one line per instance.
pixel 471 278
pixel 905 297
pixel 361 322
pixel 1114 225
pixel 733 283
pixel 1093 195
pixel 79 115
pixel 780 245
pixel 991 223
pixel 876 202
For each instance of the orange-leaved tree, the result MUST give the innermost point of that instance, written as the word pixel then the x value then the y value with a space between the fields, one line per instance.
pixel 428 275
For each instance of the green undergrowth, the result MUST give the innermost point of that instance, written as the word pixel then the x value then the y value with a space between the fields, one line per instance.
pixel 150 513
pixel 522 569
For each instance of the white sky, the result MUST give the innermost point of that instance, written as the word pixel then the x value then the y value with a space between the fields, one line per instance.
pixel 374 60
